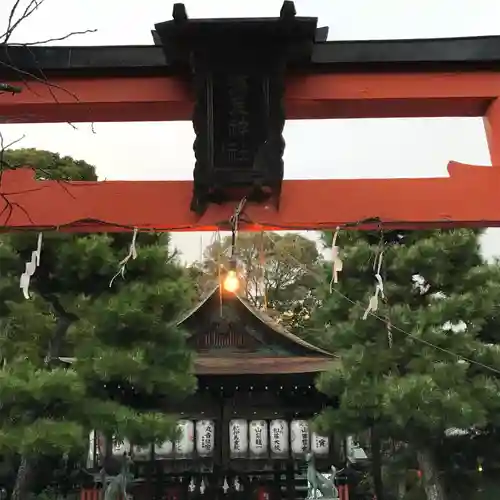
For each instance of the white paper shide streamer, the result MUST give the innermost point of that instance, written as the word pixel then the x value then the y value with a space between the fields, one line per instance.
pixel 132 254
pixel 337 264
pixel 31 268
pixel 379 288
pixel 192 486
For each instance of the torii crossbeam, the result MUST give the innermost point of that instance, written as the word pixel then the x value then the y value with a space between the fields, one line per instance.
pixel 239 123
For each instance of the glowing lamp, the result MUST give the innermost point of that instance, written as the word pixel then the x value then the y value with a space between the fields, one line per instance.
pixel 231 282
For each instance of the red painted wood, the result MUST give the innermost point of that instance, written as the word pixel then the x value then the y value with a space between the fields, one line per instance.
pixel 343 492
pixel 469 197
pixel 89 494
pixel 337 95
pixel 492 129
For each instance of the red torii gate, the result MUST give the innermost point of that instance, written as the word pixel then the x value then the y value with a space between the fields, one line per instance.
pixel 366 79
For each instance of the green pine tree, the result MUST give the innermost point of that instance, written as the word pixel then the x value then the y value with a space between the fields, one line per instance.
pixel 414 382
pixel 128 351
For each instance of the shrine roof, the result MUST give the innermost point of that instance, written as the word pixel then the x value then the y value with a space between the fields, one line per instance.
pixel 266 365
pixel 265 319
pixel 465 53
pixel 268 359
pixel 207 365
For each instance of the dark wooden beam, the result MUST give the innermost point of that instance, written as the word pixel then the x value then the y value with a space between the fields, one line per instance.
pixel 457 54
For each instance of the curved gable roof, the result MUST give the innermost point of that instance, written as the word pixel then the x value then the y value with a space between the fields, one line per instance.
pixel 264 318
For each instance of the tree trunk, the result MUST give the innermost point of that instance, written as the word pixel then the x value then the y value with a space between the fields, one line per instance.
pixel 23 479
pixel 431 478
pixel 378 483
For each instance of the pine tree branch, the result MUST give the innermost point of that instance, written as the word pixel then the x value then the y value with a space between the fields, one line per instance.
pixel 11 89
pixel 16 17
pixel 65 320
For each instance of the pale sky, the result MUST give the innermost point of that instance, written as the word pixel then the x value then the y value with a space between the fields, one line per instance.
pixel 315 148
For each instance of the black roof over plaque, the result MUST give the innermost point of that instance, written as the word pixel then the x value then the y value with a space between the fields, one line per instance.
pixel 444 54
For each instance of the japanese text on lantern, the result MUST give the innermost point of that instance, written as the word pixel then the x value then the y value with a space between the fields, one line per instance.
pixel 320 445
pixel 204 437
pixel 236 149
pixel 300 437
pixel 279 437
pixel 238 437
pixel 258 437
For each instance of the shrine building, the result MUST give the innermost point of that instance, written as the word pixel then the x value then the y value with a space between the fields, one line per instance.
pixel 245 431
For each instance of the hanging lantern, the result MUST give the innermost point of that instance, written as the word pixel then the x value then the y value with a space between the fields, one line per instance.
pixel 258 438
pixel 142 452
pixel 120 447
pixel 278 430
pixel 231 281
pixel 164 451
pixel 205 437
pixel 320 445
pixel 184 446
pixel 300 437
pixel 238 438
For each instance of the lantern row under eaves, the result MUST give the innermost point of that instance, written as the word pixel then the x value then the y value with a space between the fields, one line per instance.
pixel 259 439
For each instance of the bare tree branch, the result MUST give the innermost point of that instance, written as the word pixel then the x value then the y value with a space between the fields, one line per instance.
pixel 14 20
pixel 13 23
pixel 16 16
pixel 57 39
pixel 11 19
